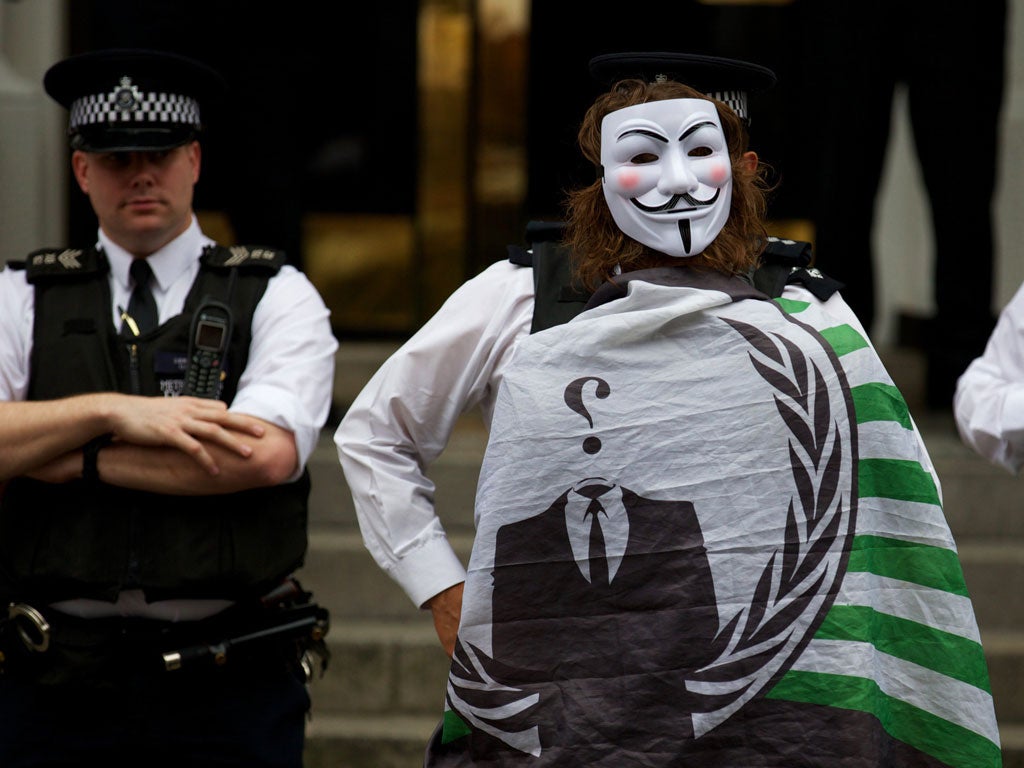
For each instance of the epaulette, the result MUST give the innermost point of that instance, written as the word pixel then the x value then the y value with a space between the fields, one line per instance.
pixel 520 256
pixel 63 263
pixel 788 261
pixel 536 232
pixel 243 257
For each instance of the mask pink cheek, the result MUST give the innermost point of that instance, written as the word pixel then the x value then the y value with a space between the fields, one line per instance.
pixel 718 174
pixel 627 179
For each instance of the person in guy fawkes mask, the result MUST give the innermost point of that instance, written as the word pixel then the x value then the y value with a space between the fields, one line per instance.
pixel 159 397
pixel 680 555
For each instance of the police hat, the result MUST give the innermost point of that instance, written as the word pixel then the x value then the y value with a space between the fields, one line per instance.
pixel 126 99
pixel 728 80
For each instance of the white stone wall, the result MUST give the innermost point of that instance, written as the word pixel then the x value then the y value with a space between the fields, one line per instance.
pixel 33 154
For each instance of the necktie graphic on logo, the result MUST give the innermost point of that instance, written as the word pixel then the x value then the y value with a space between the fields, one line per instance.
pixel 141 305
pixel 598 558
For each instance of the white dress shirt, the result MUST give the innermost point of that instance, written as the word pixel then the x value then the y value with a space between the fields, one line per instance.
pixel 287 381
pixel 989 400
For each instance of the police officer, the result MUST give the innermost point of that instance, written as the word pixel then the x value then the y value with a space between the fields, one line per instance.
pixel 159 397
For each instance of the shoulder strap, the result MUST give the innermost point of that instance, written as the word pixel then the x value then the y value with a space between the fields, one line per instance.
pixel 49 264
pixel 243 257
pixel 788 261
pixel 557 299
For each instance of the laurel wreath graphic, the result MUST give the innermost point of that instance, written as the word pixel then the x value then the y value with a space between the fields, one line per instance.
pixel 793 576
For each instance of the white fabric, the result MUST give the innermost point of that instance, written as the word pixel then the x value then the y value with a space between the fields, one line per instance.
pixel 667 174
pixel 989 400
pixel 402 420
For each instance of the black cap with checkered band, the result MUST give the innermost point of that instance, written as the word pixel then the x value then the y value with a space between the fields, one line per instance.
pixel 728 80
pixel 123 100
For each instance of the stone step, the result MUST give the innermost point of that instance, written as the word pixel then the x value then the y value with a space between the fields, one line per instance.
pixel 1005 654
pixel 387 741
pixel 1011 736
pixel 378 668
pixel 399 742
pixel 348 582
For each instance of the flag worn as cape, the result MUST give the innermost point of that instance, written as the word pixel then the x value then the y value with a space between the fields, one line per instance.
pixel 708 534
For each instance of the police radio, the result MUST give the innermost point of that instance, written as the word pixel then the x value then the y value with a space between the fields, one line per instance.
pixel 208 344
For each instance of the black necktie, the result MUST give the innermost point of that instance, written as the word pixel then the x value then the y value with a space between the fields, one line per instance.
pixel 141 305
pixel 598 557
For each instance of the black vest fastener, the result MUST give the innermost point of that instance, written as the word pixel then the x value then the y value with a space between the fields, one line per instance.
pixel 83 539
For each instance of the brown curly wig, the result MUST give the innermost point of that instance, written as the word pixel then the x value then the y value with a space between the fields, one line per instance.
pixel 599 246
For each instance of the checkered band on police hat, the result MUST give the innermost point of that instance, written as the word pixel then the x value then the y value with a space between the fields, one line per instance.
pixel 128 105
pixel 736 100
pixel 728 80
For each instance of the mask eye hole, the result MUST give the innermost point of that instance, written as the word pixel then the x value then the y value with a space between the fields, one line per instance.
pixel 699 152
pixel 643 158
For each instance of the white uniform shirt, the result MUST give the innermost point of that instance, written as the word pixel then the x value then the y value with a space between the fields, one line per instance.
pixel 989 400
pixel 402 420
pixel 287 381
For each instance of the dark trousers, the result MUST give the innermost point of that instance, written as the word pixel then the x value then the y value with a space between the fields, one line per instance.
pixel 248 717
pixel 951 59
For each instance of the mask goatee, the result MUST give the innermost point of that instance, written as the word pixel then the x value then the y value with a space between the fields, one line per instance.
pixel 684 232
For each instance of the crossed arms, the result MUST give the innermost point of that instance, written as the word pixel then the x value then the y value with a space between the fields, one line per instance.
pixel 178 446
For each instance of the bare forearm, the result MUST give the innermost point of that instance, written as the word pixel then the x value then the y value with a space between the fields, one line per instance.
pixel 168 471
pixel 35 433
pixel 41 434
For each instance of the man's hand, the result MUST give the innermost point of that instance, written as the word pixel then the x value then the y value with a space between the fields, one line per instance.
pixel 182 423
pixel 447 609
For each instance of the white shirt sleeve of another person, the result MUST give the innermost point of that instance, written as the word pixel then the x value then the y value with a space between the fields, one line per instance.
pixel 16 305
pixel 402 420
pixel 989 400
pixel 289 378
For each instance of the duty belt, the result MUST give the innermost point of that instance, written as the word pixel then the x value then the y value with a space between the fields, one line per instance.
pixel 46 646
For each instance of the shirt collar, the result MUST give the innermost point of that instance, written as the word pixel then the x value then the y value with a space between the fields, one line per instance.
pixel 168 263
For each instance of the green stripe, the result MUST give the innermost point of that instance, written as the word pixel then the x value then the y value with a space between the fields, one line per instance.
pixel 792 306
pixel 880 402
pixel 898 479
pixel 844 339
pixel 953 744
pixel 453 727
pixel 932 567
pixel 942 652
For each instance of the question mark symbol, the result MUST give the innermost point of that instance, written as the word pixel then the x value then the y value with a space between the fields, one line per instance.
pixel 574 399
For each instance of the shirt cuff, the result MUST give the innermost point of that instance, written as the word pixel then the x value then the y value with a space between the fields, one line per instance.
pixel 428 570
pixel 278 408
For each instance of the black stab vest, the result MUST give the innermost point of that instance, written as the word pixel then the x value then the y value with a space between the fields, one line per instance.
pixel 81 539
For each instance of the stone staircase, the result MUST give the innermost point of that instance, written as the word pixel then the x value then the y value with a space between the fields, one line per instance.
pixel 383 693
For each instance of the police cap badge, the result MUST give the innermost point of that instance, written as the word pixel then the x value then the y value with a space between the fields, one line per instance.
pixel 131 99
